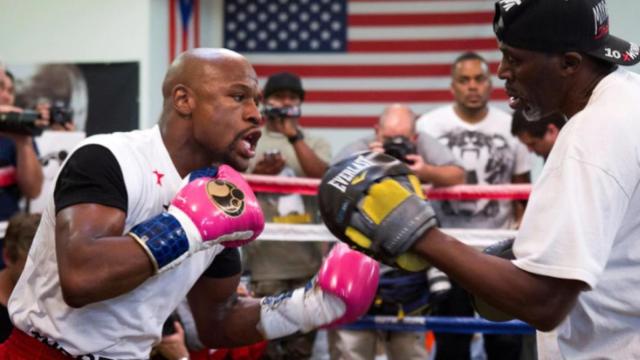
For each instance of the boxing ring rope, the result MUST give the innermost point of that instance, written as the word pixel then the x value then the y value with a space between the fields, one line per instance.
pixel 477 238
pixel 443 324
pixel 308 186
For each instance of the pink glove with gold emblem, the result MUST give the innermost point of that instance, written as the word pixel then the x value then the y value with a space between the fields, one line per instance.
pixel 215 206
pixel 340 293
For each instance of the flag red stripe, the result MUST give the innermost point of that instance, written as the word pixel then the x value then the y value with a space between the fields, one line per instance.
pixel 421 45
pixel 347 96
pixel 196 23
pixel 421 19
pixel 361 70
pixel 185 37
pixel 338 121
pixel 172 30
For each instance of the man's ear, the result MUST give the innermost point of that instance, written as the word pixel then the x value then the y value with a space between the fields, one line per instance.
pixel 183 100
pixel 571 62
pixel 5 256
pixel 552 130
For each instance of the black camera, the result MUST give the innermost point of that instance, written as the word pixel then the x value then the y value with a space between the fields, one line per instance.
pixel 399 147
pixel 59 114
pixel 29 122
pixel 273 112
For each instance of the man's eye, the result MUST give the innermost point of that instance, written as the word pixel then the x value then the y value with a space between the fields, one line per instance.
pixel 239 98
pixel 511 60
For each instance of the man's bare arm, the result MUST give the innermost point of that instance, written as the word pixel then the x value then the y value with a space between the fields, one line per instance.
pixel 541 301
pixel 224 319
pixel 95 261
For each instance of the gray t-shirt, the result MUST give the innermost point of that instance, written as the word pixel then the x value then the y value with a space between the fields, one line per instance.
pixel 429 148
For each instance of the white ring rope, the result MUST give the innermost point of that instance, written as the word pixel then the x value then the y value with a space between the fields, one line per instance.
pixel 477 238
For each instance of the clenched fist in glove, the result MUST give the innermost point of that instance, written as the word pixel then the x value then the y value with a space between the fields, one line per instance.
pixel 340 293
pixel 214 206
pixel 374 203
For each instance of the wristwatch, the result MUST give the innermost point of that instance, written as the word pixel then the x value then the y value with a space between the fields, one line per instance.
pixel 296 137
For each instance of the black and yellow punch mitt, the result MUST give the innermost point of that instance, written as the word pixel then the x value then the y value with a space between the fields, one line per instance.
pixel 374 203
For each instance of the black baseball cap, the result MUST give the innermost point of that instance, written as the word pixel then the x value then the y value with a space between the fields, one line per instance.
pixel 560 26
pixel 283 81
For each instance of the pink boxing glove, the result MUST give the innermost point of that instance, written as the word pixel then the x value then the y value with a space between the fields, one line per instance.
pixel 353 278
pixel 340 293
pixel 215 206
pixel 236 217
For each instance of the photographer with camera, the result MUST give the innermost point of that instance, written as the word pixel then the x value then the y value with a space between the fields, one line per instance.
pixel 285 150
pixel 400 292
pixel 395 135
pixel 20 170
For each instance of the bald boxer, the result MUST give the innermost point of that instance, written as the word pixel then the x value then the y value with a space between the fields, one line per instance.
pixel 577 254
pixel 140 220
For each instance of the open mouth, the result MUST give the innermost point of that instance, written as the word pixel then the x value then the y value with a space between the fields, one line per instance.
pixel 515 101
pixel 249 142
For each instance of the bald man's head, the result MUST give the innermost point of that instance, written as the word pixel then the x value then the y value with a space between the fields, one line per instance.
pixel 397 120
pixel 210 107
pixel 197 67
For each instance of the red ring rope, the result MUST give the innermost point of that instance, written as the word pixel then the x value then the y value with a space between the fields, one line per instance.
pixel 308 186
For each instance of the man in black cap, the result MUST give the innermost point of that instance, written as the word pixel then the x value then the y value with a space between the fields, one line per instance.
pixel 285 150
pixel 576 258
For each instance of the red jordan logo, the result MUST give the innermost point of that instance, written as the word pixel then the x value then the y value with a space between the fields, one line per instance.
pixel 159 177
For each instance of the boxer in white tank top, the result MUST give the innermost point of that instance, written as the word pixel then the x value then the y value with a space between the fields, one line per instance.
pixel 140 220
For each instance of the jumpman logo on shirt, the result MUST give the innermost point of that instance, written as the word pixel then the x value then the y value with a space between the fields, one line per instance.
pixel 159 177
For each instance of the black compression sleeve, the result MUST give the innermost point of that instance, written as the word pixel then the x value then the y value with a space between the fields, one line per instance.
pixel 91 175
pixel 226 264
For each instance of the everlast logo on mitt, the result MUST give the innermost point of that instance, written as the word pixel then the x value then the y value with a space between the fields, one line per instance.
pixel 344 177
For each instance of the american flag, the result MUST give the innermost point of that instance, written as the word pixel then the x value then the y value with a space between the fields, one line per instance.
pixel 184 26
pixel 355 57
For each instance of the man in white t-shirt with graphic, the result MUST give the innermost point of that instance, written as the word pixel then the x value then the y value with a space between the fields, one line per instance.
pixel 576 257
pixel 479 137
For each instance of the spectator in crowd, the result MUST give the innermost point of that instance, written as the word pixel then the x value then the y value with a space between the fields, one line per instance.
pixel 396 134
pixel 17 240
pixel 434 164
pixel 538 136
pixel 478 135
pixel 20 170
pixel 285 150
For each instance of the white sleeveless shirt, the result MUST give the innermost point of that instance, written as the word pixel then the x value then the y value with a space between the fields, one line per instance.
pixel 127 326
